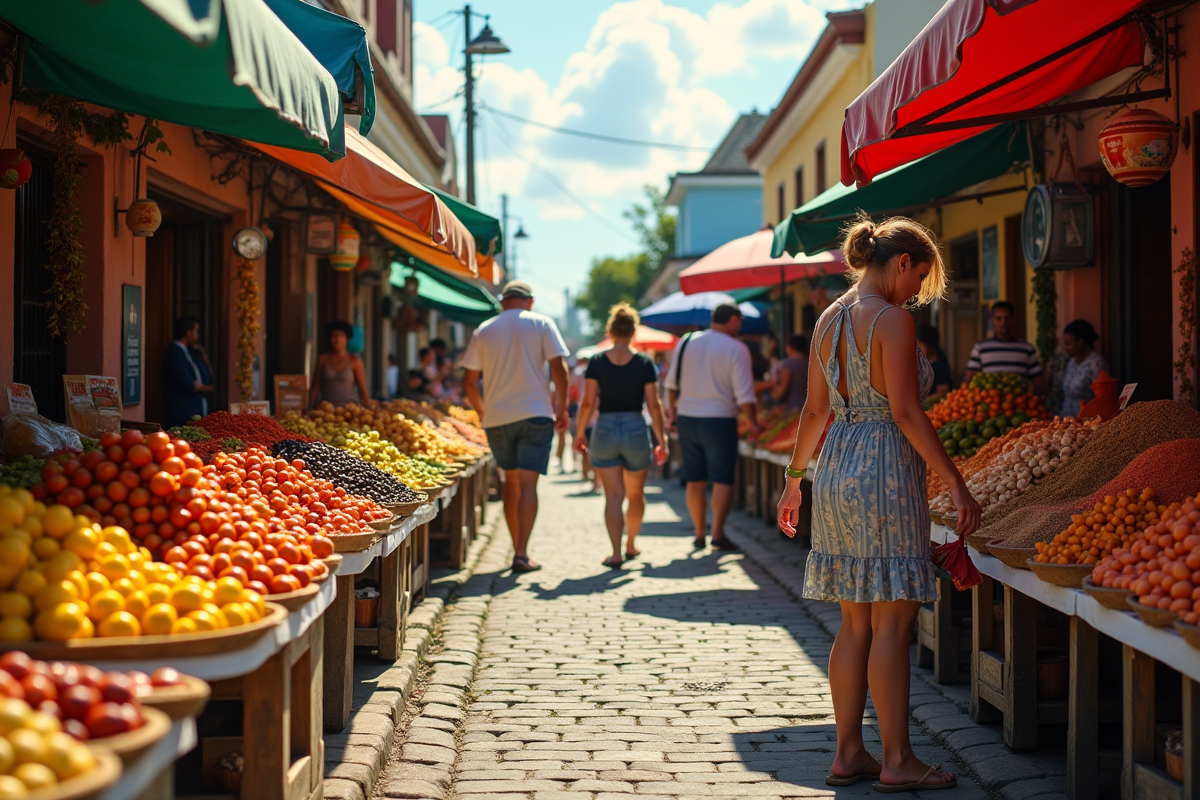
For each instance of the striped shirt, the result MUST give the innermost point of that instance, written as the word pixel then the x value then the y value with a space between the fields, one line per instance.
pixel 993 355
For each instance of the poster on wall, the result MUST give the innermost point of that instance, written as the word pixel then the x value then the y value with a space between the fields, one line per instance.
pixel 291 394
pixel 990 263
pixel 320 233
pixel 19 398
pixel 254 408
pixel 131 343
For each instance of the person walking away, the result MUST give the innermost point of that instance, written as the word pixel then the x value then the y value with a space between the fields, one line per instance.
pixel 1083 365
pixel 790 388
pixel 929 340
pixel 511 351
pixel 871 549
pixel 709 381
pixel 183 380
pixel 626 381
pixel 574 395
pixel 1005 351
pixel 340 376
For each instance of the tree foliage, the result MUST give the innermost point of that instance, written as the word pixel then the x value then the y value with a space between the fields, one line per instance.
pixel 615 279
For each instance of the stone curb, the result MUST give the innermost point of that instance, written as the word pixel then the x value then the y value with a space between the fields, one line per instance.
pixel 356 757
pixel 978 750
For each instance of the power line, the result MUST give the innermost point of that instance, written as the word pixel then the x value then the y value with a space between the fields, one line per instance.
pixel 441 102
pixel 597 136
pixel 556 183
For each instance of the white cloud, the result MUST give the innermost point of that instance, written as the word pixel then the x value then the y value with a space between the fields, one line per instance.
pixel 562 212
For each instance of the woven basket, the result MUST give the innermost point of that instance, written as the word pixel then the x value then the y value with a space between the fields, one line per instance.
pixel 979 543
pixel 1190 633
pixel 406 509
pixel 1154 617
pixel 383 525
pixel 1015 557
pixel 1069 575
pixel 1107 596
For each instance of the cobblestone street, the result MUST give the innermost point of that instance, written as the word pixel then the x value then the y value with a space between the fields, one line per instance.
pixel 685 674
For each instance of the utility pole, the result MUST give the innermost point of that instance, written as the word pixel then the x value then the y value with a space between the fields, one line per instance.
pixel 504 236
pixel 469 97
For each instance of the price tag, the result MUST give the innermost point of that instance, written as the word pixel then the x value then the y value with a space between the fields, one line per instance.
pixel 20 398
pixel 1126 393
pixel 258 408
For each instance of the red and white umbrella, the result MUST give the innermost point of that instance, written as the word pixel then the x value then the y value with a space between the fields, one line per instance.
pixel 646 338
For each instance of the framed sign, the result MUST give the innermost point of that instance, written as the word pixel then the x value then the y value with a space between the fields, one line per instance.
pixel 990 263
pixel 291 393
pixel 131 343
pixel 260 408
pixel 320 232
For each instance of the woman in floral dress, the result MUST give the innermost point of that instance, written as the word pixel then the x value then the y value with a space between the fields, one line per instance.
pixel 870 523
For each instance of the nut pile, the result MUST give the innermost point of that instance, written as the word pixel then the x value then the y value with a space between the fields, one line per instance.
pixel 1022 463
pixel 1113 522
pixel 350 473
pixel 934 484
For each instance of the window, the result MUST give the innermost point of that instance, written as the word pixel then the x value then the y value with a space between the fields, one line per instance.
pixel 779 203
pixel 385 25
pixel 820 156
pixel 799 186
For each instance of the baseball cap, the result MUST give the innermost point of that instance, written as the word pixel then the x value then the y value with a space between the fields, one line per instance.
pixel 517 289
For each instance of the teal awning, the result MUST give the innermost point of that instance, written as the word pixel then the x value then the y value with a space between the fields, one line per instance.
pixel 484 227
pixel 460 300
pixel 817 225
pixel 228 66
pixel 342 47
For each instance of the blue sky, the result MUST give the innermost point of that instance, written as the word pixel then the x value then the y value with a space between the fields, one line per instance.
pixel 674 71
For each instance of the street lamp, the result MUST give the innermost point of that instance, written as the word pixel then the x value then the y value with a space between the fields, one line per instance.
pixel 486 43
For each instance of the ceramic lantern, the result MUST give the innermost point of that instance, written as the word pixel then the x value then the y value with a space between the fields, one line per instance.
pixel 346 255
pixel 15 167
pixel 1139 146
pixel 143 217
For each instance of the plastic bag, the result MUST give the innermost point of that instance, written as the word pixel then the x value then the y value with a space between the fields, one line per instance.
pixel 954 559
pixel 34 435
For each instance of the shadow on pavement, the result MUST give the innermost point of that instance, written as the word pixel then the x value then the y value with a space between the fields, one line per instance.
pixel 593 584
pixel 800 755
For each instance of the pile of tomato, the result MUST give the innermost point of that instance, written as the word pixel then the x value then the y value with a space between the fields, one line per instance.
pixel 979 405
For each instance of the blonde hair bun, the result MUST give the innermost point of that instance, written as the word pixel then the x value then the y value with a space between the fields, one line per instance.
pixel 873 245
pixel 623 320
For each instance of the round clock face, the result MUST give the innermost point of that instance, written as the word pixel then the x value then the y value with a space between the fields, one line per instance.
pixel 1035 226
pixel 250 243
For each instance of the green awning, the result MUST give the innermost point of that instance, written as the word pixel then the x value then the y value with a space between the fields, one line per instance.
pixel 484 227
pixel 460 300
pixel 817 225
pixel 745 295
pixel 228 66
pixel 342 47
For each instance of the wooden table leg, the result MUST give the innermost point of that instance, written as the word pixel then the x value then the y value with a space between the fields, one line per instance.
pixel 945 645
pixel 389 606
pixel 1191 741
pixel 456 518
pixel 485 481
pixel 339 656
pixel 982 641
pixel 1020 670
pixel 420 560
pixel 1083 711
pixel 1137 700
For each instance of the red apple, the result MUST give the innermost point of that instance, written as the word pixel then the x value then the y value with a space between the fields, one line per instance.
pixel 78 701
pixel 117 687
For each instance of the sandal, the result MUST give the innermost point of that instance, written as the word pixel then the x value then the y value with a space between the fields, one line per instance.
pixel 524 564
pixel 632 554
pixel 724 544
pixel 613 562
pixel 917 786
pixel 698 543
pixel 850 780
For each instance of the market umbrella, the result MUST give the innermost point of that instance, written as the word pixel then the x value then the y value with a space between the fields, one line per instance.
pixel 679 310
pixel 645 338
pixel 747 263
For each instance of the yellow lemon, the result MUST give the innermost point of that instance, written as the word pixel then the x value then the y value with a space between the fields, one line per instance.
pixel 43 723
pixel 30 582
pixel 13 714
pixel 118 537
pixel 8 575
pixel 103 549
pixel 228 590
pixel 86 629
pixel 53 594
pixel 25 498
pixel 12 789
pixel 11 510
pixel 28 745
pixel 15 604
pixel 158 593
pixel 81 584
pixel 114 566
pixel 137 603
pixel 60 565
pixel 33 526
pixel 125 586
pixel 82 760
pixel 104 603
pixel 96 582
pixel 215 611
pixel 45 548
pixel 58 521
pixel 63 621
pixel 159 619
pixel 184 625
pixel 14 629
pixel 186 596
pixel 137 578
pixel 35 775
pixel 8 758
pixel 121 623
pixel 58 754
pixel 15 551
pixel 252 612
pixel 82 542
pixel 204 620
pixel 235 614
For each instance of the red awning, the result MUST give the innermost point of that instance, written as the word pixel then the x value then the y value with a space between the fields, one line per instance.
pixel 967 63
pixel 646 338
pixel 746 263
pixel 375 187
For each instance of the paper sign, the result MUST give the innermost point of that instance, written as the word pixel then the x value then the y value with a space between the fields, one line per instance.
pixel 106 397
pixel 81 411
pixel 291 393
pixel 260 408
pixel 20 398
pixel 1126 393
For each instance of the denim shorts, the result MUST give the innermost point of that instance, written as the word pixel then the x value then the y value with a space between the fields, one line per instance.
pixel 708 448
pixel 524 444
pixel 620 439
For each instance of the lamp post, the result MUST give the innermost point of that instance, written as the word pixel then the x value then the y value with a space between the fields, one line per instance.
pixel 486 43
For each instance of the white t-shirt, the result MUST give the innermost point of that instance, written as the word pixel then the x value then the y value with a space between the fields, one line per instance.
pixel 511 350
pixel 716 376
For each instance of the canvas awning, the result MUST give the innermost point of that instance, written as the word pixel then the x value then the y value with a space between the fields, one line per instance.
pixel 224 66
pixel 747 263
pixel 982 62
pixel 817 225
pixel 459 300
pixel 376 188
pixel 486 229
pixel 342 47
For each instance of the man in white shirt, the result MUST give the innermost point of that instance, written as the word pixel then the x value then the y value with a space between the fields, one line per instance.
pixel 511 351
pixel 710 380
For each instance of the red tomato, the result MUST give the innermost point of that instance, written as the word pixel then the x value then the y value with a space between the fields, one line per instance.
pixel 82 478
pixel 162 484
pixel 235 572
pixel 130 438
pixel 115 454
pixel 130 479
pixel 117 492
pixel 109 439
pixel 57 483
pixel 91 458
pixel 322 546
pixel 139 455
pixel 282 584
pixel 71 497
pixel 302 573
pixel 173 465
pixel 158 439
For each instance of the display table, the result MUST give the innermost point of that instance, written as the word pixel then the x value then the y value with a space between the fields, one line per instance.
pixel 151 776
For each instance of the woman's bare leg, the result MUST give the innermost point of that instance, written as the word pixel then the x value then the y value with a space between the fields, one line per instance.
pixel 614 498
pixel 635 492
pixel 848 687
pixel 888 671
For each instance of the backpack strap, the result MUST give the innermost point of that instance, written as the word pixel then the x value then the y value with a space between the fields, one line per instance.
pixel 683 343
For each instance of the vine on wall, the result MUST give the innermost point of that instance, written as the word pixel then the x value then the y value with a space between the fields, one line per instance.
pixel 1187 324
pixel 248 328
pixel 1045 299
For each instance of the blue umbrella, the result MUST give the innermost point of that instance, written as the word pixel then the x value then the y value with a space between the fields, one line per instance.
pixel 695 311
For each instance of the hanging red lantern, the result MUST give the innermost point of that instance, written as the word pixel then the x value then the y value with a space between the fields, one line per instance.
pixel 346 256
pixel 15 167
pixel 143 217
pixel 363 264
pixel 1139 146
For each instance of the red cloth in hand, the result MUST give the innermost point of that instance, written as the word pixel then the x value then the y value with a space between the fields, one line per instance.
pixel 954 558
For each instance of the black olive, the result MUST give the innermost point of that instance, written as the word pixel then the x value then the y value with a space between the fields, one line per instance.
pixel 347 471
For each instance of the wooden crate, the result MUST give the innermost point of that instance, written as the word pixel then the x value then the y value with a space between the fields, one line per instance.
pixel 1140 778
pixel 938 638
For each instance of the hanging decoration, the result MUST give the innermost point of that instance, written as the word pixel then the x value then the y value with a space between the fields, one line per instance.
pixel 248 328
pixel 15 168
pixel 1139 146
pixel 363 264
pixel 1185 362
pixel 346 256
pixel 143 217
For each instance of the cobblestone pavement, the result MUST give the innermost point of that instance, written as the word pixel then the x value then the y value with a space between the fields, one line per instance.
pixel 684 674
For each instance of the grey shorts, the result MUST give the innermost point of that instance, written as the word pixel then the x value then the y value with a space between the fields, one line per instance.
pixel 620 439
pixel 524 444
